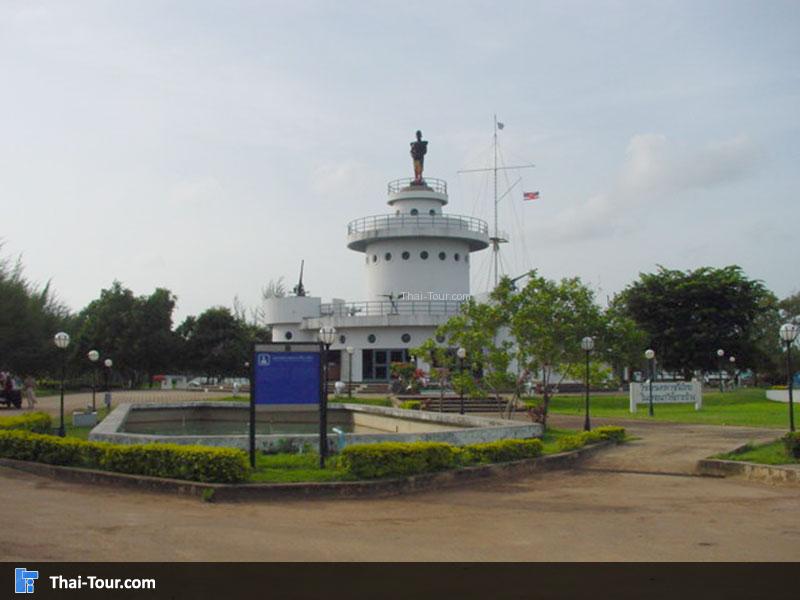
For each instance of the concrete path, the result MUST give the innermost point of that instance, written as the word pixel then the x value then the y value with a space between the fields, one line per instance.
pixel 636 502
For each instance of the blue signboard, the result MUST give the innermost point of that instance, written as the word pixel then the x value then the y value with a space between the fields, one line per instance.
pixel 287 378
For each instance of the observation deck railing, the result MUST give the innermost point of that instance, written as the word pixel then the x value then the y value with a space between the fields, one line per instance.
pixel 398 306
pixel 455 222
pixel 402 185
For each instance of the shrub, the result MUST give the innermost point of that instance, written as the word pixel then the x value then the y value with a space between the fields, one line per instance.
pixel 501 451
pixel 791 442
pixel 579 440
pixel 194 463
pixel 397 459
pixel 612 432
pixel 37 422
pixel 570 442
pixel 411 404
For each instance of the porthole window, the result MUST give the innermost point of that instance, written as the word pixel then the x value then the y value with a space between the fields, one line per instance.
pixel 432 212
pixel 406 338
pixel 457 256
pixel 440 338
pixel 424 255
pixel 371 338
pixel 374 258
pixel 288 335
pixel 387 256
pixel 406 255
pixel 442 255
pixel 414 212
pixel 342 339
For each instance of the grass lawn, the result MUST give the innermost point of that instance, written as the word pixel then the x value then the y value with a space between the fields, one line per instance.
pixel 745 407
pixel 772 453
pixel 81 433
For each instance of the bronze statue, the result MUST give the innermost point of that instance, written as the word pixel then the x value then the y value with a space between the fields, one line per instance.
pixel 418 151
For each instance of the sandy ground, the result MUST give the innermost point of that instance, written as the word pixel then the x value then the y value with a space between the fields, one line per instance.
pixel 634 502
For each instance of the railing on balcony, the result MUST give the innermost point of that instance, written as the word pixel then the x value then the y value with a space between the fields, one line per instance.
pixel 400 185
pixel 390 307
pixel 456 222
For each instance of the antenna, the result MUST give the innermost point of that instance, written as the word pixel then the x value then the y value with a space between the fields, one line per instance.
pixel 299 290
pixel 496 240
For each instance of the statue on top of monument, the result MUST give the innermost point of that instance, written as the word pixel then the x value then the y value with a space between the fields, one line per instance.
pixel 418 151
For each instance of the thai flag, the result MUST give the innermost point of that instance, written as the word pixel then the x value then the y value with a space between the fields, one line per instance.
pixel 530 196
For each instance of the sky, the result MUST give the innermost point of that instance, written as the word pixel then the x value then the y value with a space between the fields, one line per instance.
pixel 208 147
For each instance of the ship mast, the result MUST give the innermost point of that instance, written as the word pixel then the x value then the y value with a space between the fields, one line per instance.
pixel 496 238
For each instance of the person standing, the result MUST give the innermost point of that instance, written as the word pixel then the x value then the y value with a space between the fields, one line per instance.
pixel 28 387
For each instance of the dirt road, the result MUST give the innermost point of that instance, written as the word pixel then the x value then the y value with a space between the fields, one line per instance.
pixel 634 502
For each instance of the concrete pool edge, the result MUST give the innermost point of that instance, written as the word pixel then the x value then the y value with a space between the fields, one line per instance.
pixel 365 489
pixel 475 429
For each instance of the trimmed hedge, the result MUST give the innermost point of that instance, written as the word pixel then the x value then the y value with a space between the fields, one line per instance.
pixel 579 440
pixel 37 422
pixel 791 441
pixel 193 463
pixel 411 405
pixel 401 459
pixel 397 459
pixel 501 451
pixel 612 432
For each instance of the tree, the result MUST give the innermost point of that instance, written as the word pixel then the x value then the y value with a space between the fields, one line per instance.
pixel 440 360
pixel 478 329
pixel 217 343
pixel 29 317
pixel 622 342
pixel 689 315
pixel 136 332
pixel 547 320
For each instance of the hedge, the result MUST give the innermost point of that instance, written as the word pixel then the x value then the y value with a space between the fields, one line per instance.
pixel 501 451
pixel 791 441
pixel 401 459
pixel 579 440
pixel 193 463
pixel 397 459
pixel 411 405
pixel 37 422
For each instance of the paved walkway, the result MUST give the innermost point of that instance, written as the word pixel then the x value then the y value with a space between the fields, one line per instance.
pixel 635 502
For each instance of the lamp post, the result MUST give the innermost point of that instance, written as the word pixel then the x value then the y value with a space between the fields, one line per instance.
pixel 587 344
pixel 326 336
pixel 61 341
pixel 350 351
pixel 650 355
pixel 93 356
pixel 732 360
pixel 107 398
pixel 720 354
pixel 462 354
pixel 788 333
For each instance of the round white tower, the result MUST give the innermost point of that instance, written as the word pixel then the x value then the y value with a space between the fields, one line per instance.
pixel 417 252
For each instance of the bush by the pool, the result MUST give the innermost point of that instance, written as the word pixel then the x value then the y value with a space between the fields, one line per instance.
pixel 37 422
pixel 193 463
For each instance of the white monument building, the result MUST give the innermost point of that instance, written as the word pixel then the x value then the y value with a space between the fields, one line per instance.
pixel 417 260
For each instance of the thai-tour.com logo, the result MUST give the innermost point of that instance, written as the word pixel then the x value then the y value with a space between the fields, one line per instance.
pixel 24 580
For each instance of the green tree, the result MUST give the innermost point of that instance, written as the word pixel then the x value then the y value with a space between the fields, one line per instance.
pixel 479 330
pixel 441 361
pixel 688 315
pixel 29 317
pixel 547 320
pixel 216 342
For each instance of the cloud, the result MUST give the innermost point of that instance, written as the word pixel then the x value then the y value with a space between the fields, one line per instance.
pixel 653 168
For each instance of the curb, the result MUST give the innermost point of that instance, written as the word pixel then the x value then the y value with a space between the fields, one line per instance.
pixel 225 492
pixel 755 472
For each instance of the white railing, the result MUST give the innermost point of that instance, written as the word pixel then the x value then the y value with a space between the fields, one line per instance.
pixel 390 307
pixel 453 222
pixel 401 185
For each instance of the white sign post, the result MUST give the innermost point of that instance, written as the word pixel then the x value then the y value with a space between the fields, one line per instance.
pixel 667 392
